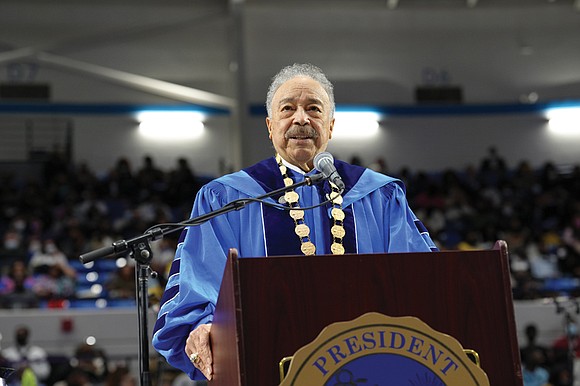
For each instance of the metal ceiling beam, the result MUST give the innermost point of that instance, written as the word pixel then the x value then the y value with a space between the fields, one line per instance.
pixel 16 54
pixel 139 82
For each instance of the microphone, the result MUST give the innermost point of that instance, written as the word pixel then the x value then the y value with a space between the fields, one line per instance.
pixel 324 162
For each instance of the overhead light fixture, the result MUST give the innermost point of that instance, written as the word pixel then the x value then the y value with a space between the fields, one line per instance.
pixel 392 4
pixel 564 120
pixel 355 124
pixel 171 125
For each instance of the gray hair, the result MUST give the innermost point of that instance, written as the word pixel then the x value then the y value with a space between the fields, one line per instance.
pixel 293 71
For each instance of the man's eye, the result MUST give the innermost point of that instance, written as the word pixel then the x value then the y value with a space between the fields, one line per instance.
pixel 286 108
pixel 315 108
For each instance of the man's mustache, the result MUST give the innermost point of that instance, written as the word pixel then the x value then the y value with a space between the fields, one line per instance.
pixel 301 131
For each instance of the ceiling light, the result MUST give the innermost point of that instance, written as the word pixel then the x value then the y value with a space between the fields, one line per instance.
pixel 564 120
pixel 471 3
pixel 171 125
pixel 392 4
pixel 355 124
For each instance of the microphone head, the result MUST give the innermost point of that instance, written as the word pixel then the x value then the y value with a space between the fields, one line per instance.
pixel 324 163
pixel 322 158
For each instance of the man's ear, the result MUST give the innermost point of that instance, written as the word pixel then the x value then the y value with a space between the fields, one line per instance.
pixel 269 125
pixel 331 128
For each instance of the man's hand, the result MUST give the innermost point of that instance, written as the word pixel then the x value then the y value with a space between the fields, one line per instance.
pixel 197 348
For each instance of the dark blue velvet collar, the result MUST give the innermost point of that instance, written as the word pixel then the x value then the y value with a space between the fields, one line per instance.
pixel 280 237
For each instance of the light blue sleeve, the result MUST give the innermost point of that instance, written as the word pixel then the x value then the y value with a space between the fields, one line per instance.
pixel 385 223
pixel 405 233
pixel 193 286
pixel 192 290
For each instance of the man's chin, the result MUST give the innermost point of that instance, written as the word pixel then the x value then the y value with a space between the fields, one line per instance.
pixel 302 157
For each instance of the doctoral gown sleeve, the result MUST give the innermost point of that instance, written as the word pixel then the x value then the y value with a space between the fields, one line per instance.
pixel 193 286
pixel 384 222
pixel 405 232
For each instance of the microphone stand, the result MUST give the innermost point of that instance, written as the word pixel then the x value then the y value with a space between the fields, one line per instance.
pixel 140 249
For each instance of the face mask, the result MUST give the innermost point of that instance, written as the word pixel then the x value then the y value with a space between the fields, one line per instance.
pixel 19 225
pixel 572 329
pixel 11 244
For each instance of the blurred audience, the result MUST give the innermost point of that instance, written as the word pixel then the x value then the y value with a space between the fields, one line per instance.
pixel 537 211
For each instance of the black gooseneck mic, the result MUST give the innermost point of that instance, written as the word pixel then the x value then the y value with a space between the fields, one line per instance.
pixel 324 162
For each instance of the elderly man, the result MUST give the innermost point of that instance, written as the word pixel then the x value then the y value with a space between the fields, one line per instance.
pixel 371 215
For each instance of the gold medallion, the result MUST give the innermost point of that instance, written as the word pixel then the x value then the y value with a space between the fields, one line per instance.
pixel 337 214
pixel 302 230
pixel 335 199
pixel 337 231
pixel 337 249
pixel 308 248
pixel 291 197
pixel 297 214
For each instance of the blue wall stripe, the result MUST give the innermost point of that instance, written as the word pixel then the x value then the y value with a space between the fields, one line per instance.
pixel 260 110
pixel 455 109
pixel 100 109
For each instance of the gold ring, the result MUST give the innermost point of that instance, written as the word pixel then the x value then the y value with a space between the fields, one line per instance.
pixel 194 358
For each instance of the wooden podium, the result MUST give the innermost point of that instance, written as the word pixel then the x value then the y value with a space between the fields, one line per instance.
pixel 268 308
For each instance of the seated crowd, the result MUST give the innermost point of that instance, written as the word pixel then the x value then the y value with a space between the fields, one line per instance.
pixel 46 223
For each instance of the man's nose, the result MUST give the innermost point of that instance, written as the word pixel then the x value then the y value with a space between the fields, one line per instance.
pixel 301 117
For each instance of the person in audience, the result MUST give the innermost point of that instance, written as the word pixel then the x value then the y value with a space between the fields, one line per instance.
pixel 17 288
pixel 183 185
pixel 531 344
pixel 121 376
pixel 55 279
pixel 23 354
pixel 13 248
pixel 121 284
pixel 150 178
pixel 493 168
pixel 56 284
pixel 533 372
pixel 122 182
pixel 92 361
pixel 45 254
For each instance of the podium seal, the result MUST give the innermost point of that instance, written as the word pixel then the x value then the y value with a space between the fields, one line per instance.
pixel 376 349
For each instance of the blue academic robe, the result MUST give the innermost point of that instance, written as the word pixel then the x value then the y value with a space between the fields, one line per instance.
pixel 378 219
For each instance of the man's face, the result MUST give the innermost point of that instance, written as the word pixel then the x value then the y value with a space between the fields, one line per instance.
pixel 300 126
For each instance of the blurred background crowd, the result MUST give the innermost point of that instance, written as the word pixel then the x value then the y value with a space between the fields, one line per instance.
pixel 47 221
